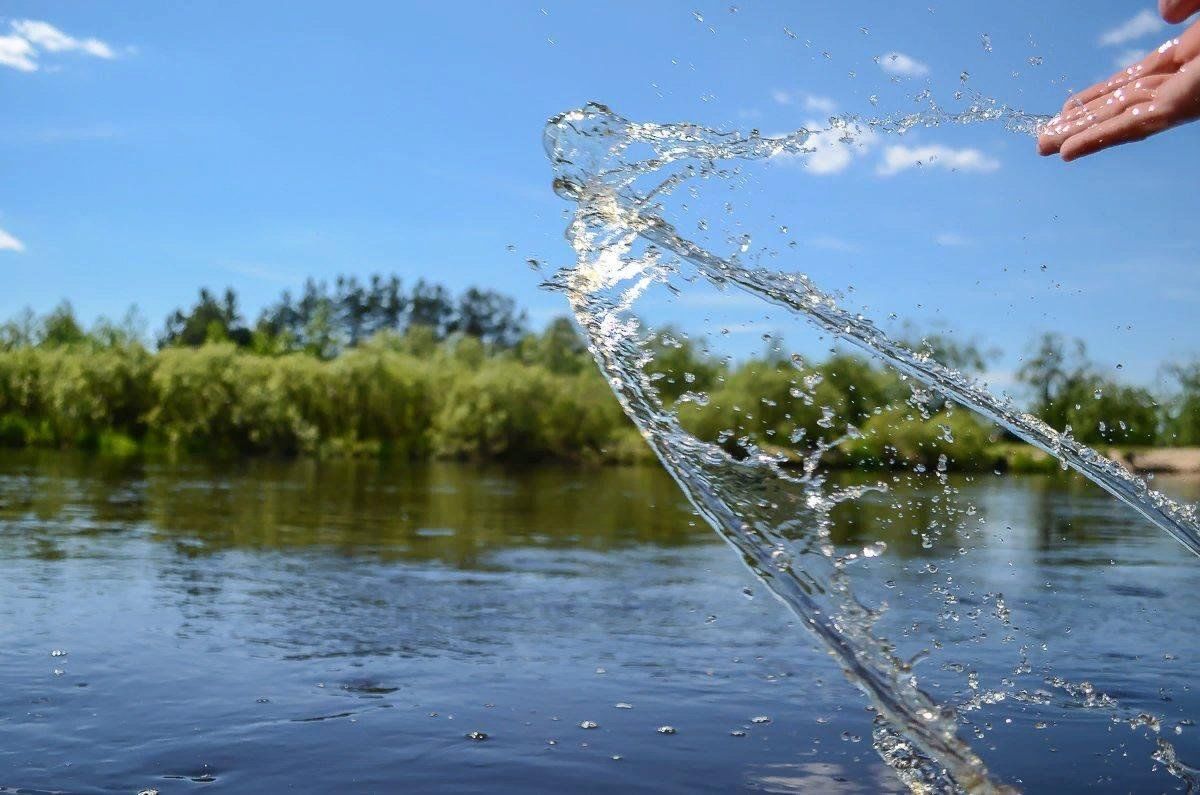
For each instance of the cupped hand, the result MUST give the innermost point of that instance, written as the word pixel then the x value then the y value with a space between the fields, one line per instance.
pixel 1159 92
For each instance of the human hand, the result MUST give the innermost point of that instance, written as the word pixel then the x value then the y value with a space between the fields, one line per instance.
pixel 1159 92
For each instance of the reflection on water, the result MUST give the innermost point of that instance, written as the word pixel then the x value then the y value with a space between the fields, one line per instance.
pixel 346 626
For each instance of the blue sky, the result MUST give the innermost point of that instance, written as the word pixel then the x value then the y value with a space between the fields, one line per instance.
pixel 153 148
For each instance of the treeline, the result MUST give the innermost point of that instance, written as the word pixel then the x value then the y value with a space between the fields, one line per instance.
pixel 324 320
pixel 370 368
pixel 882 421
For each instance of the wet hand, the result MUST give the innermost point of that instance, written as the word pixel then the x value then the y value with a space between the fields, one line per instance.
pixel 1159 92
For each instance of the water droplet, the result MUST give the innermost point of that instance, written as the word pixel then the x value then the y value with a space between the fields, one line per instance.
pixel 986 41
pixel 477 736
pixel 874 550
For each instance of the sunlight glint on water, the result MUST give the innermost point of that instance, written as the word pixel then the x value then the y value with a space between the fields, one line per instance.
pixel 618 173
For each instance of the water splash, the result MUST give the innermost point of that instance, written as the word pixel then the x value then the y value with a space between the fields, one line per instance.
pixel 777 519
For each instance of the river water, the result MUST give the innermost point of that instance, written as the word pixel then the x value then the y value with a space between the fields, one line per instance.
pixel 344 627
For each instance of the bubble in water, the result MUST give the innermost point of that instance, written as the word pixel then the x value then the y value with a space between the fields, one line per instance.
pixel 477 736
pixel 623 705
pixel 737 733
pixel 58 653
pixel 760 719
pixel 986 41
pixel 666 730
pixel 589 724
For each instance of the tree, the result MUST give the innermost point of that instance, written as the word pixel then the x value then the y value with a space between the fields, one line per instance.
pixel 678 366
pixel 210 320
pixel 1070 392
pixel 1182 422
pixel 1052 368
pixel 59 328
pixel 19 332
pixel 489 316
pixel 962 355
pixel 429 305
pixel 130 330
pixel 559 348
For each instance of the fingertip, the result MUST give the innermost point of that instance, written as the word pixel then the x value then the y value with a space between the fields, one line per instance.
pixel 1173 11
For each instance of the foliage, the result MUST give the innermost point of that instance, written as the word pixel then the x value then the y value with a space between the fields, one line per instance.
pixel 372 369
pixel 1071 393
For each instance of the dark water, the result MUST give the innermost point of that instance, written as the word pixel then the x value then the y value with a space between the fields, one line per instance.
pixel 343 627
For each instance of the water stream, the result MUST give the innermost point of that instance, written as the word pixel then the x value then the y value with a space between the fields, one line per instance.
pixel 620 175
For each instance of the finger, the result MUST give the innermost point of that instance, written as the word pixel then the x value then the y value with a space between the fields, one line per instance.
pixel 1162 61
pixel 1099 110
pixel 1176 11
pixel 1135 124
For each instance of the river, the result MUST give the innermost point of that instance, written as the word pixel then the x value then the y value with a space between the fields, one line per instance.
pixel 346 626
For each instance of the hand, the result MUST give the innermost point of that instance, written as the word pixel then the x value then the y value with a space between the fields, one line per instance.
pixel 1159 92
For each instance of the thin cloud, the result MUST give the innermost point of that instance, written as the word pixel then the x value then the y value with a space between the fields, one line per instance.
pixel 10 243
pixel 810 102
pixel 1141 24
pixel 951 240
pixel 898 63
pixel 1128 58
pixel 29 38
pixel 902 158
pixel 819 104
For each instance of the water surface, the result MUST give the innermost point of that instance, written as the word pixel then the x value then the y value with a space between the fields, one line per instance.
pixel 344 626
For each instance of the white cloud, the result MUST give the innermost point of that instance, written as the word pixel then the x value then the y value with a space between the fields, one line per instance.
pixel 31 37
pixel 950 239
pixel 831 151
pixel 810 102
pixel 819 104
pixel 902 158
pixel 16 53
pixel 10 243
pixel 1128 58
pixel 1141 24
pixel 898 63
